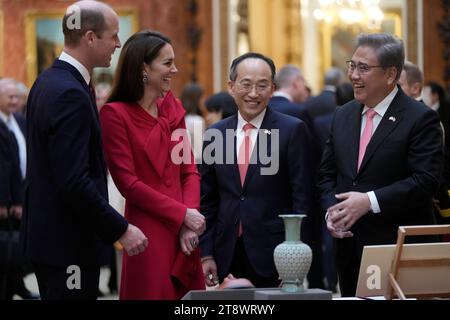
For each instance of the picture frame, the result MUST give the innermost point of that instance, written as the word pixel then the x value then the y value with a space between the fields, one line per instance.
pixel 45 40
pixel 2 39
pixel 339 39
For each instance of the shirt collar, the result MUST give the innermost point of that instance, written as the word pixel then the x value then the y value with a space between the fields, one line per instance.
pixel 329 87
pixel 382 107
pixel 77 65
pixel 282 94
pixel 256 122
pixel 4 117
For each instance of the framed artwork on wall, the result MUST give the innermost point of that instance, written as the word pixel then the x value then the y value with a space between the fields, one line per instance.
pixel 1 43
pixel 45 40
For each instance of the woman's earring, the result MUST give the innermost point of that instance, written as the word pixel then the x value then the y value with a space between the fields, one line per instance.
pixel 145 78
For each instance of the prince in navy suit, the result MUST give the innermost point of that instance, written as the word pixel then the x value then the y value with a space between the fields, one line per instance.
pixel 369 190
pixel 241 207
pixel 66 207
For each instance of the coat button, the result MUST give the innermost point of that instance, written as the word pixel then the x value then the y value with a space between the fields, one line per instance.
pixel 242 198
pixel 355 183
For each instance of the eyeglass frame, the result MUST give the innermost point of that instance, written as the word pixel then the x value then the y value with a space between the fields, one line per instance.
pixel 241 89
pixel 358 67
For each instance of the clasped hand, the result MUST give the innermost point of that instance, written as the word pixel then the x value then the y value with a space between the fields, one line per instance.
pixel 193 226
pixel 343 215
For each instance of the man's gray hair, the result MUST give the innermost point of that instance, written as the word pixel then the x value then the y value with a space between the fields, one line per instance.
pixel 389 49
pixel 334 77
pixel 286 75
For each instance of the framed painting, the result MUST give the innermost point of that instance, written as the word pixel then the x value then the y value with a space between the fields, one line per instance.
pixel 1 43
pixel 339 39
pixel 45 40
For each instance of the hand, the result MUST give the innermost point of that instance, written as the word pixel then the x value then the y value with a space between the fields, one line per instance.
pixel 210 272
pixel 3 212
pixel 195 221
pixel 133 240
pixel 188 240
pixel 348 211
pixel 16 212
pixel 336 233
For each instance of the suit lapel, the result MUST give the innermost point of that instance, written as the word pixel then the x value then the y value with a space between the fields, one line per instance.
pixel 77 75
pixel 232 125
pixel 267 124
pixel 353 135
pixel 390 120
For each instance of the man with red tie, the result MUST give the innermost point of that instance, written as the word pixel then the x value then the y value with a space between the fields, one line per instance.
pixel 262 169
pixel 382 160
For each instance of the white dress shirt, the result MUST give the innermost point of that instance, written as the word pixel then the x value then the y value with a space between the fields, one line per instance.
pixel 256 122
pixel 380 110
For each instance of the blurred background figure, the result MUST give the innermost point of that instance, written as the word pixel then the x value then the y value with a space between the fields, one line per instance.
pixel 13 266
pixel 102 91
pixel 411 81
pixel 22 97
pixel 325 102
pixel 116 200
pixel 220 106
pixel 344 93
pixel 191 98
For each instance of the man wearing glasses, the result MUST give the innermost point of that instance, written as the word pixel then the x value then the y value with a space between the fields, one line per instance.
pixel 239 199
pixel 382 160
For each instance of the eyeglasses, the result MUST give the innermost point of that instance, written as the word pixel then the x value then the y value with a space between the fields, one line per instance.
pixel 246 87
pixel 361 67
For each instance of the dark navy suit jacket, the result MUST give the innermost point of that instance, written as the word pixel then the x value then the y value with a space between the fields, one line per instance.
pixel 257 203
pixel 11 187
pixel 66 200
pixel 401 165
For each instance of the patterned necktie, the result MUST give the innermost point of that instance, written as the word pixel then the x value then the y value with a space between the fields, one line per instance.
pixel 366 135
pixel 244 151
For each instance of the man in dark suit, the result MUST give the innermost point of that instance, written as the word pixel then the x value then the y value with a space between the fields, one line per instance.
pixel 66 208
pixel 241 197
pixel 390 179
pixel 288 99
pixel 290 93
pixel 325 102
pixel 11 192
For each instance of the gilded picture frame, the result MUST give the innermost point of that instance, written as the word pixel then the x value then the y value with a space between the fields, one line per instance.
pixel 338 40
pixel 45 40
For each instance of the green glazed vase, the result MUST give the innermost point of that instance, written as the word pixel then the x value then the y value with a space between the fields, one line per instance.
pixel 292 257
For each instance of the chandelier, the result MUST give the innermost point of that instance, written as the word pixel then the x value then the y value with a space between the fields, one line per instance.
pixel 363 12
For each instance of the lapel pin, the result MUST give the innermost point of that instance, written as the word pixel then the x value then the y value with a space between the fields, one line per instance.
pixel 267 132
pixel 392 119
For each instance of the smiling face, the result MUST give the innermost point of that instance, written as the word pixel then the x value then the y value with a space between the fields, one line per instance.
pixel 161 70
pixel 106 44
pixel 252 88
pixel 373 86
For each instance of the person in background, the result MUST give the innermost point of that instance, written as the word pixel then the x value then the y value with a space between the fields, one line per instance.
pixel 366 200
pixel 325 102
pixel 220 106
pixel 67 217
pixel 102 91
pixel 411 81
pixel 191 98
pixel 161 187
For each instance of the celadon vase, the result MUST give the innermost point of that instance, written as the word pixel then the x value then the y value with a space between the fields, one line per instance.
pixel 292 257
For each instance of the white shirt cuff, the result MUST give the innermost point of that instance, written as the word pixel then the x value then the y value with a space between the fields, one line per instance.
pixel 374 206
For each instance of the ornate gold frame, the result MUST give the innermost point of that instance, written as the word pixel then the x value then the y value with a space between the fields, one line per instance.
pixel 32 17
pixel 328 30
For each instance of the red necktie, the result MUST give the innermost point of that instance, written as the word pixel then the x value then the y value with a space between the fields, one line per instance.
pixel 244 157
pixel 366 135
